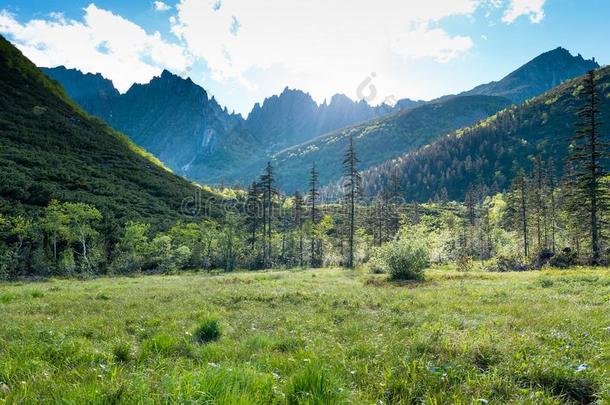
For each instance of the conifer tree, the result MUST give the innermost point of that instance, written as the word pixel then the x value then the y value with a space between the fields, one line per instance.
pixel 588 151
pixel 550 178
pixel 269 191
pixel 313 196
pixel 253 212
pixel 351 191
pixel 298 211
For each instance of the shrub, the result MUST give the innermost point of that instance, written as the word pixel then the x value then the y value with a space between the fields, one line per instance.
pixel 376 265
pixel 121 352
pixel 565 258
pixel 503 264
pixel 208 330
pixel 464 263
pixel 404 259
pixel 543 257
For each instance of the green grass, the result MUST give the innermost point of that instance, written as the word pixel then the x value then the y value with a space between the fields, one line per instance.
pixel 310 337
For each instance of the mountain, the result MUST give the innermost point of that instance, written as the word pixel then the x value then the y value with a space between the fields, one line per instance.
pixel 86 89
pixel 175 120
pixel 542 73
pixel 50 149
pixel 172 118
pixel 381 139
pixel 491 152
pixel 293 117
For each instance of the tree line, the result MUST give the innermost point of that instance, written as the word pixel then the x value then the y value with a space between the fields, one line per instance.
pixel 542 218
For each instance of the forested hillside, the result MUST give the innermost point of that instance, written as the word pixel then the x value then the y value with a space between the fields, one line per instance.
pixel 381 139
pixel 49 149
pixel 491 152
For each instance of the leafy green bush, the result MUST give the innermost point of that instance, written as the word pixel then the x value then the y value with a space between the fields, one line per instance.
pixel 404 259
pixel 208 330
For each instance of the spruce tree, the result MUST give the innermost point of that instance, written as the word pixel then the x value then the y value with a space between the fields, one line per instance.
pixel 587 153
pixel 550 178
pixel 298 210
pixel 313 196
pixel 269 191
pixel 351 190
pixel 253 211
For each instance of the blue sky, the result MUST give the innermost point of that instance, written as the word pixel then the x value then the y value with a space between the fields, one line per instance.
pixel 242 51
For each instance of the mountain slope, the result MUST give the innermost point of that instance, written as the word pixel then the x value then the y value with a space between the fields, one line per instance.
pixel 492 151
pixel 174 119
pixel 50 149
pixel 381 139
pixel 542 73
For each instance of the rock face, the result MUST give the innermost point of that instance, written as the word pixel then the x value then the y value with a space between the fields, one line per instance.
pixel 542 73
pixel 293 117
pixel 174 119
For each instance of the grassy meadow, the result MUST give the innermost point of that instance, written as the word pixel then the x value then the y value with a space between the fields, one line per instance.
pixel 327 336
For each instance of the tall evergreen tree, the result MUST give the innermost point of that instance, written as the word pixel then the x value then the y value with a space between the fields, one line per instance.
pixel 539 200
pixel 351 191
pixel 519 209
pixel 550 178
pixel 313 196
pixel 298 208
pixel 588 151
pixel 269 191
pixel 253 212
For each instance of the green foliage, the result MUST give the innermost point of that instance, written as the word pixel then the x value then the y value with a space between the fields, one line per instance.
pixel 382 139
pixel 208 330
pixel 58 152
pixel 491 151
pixel 404 258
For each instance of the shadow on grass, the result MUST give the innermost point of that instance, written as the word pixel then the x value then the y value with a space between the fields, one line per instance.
pixel 388 282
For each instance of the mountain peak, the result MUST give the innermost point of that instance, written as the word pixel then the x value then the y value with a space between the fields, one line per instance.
pixel 537 76
pixel 80 85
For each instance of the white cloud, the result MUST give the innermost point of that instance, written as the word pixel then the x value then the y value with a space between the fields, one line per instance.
pixel 534 9
pixel 103 42
pixel 259 47
pixel 161 6
pixel 325 44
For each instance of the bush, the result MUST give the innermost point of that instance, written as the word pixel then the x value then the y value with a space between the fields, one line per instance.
pixel 464 263
pixel 543 258
pixel 208 330
pixel 565 258
pixel 404 259
pixel 503 264
pixel 376 265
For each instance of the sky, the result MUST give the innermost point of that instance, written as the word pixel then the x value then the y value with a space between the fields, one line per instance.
pixel 242 51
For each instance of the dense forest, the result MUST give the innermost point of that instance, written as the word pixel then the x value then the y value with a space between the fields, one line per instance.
pixel 492 152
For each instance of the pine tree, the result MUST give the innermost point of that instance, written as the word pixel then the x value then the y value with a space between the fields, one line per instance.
pixel 521 184
pixel 540 208
pixel 351 190
pixel 268 190
pixel 588 150
pixel 313 196
pixel 298 211
pixel 550 178
pixel 395 201
pixel 253 211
